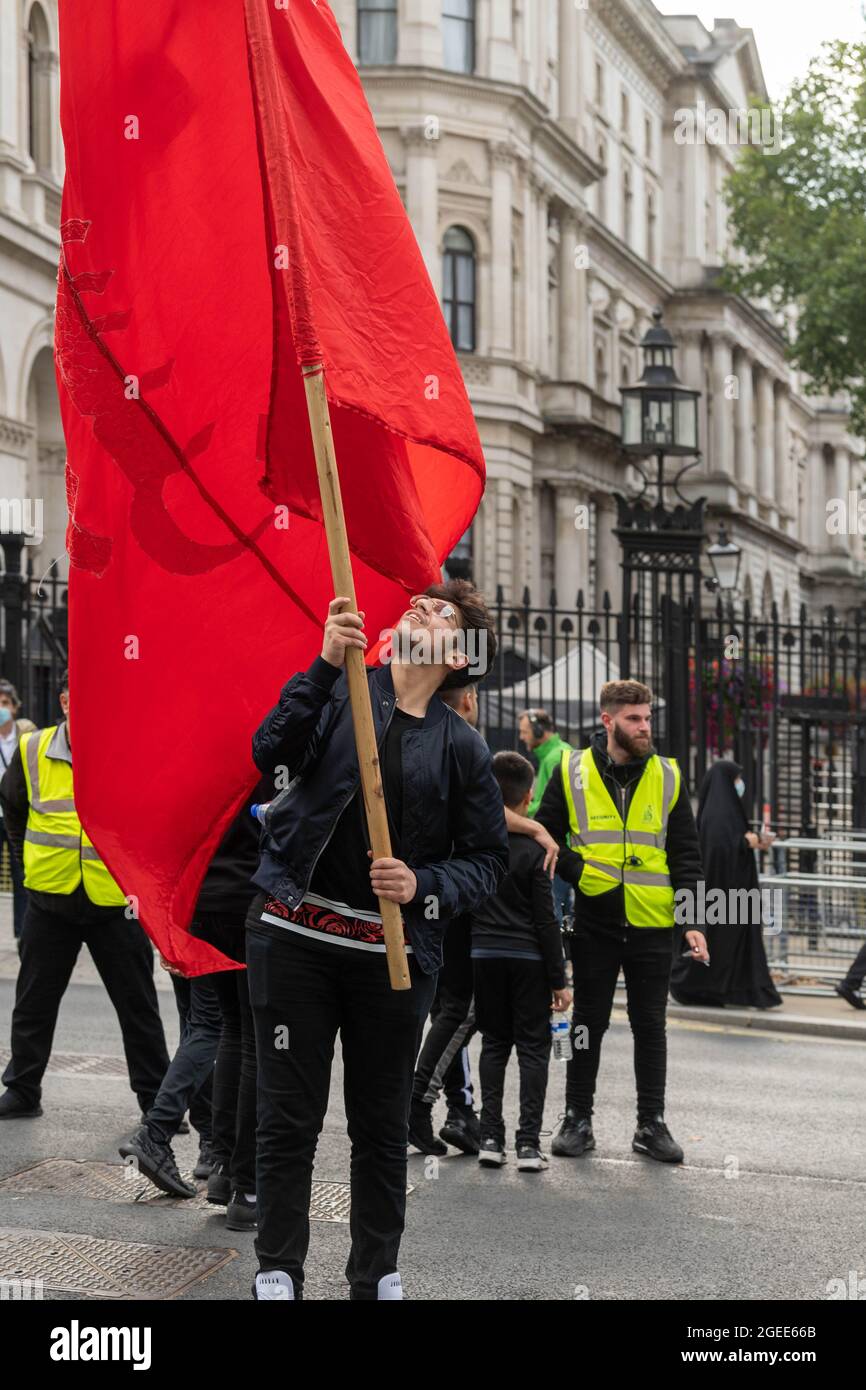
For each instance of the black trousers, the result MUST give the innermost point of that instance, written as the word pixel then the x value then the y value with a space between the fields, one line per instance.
pixel 645 955
pixel 19 892
pixel 512 1009
pixel 233 1097
pixel 443 1063
pixel 188 1079
pixel 303 994
pixel 856 974
pixel 124 958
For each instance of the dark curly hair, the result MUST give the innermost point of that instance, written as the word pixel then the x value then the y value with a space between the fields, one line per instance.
pixel 474 618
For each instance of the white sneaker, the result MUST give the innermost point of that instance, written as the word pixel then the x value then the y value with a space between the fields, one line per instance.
pixel 276 1284
pixel 390 1286
pixel 491 1153
pixel 530 1159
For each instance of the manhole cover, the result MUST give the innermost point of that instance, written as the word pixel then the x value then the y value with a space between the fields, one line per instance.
pixel 80 1064
pixel 117 1182
pixel 84 1265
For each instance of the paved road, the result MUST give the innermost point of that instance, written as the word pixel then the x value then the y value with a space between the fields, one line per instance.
pixel 769 1204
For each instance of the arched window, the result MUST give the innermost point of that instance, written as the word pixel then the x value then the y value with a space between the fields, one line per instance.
pixel 458 35
pixel 600 369
pixel 458 288
pixel 601 156
pixel 39 69
pixel 377 32
pixel 651 228
pixel 627 205
pixel 459 562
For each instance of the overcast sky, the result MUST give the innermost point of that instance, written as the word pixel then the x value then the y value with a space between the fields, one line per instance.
pixel 787 32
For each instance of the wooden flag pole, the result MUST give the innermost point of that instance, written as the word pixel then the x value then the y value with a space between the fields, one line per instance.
pixel 359 691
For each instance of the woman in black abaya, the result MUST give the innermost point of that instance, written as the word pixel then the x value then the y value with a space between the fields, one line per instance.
pixel 738 972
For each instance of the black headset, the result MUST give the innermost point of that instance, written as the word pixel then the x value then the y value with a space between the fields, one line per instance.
pixel 539 728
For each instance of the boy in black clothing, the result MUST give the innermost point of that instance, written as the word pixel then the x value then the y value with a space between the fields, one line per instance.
pixel 518 964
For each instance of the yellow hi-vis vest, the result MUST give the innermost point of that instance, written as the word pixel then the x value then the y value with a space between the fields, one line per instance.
pixel 57 852
pixel 606 845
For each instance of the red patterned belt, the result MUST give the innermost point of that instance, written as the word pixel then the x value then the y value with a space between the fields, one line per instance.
pixel 330 923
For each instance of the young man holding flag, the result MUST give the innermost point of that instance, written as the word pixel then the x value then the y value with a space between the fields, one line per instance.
pixel 316 955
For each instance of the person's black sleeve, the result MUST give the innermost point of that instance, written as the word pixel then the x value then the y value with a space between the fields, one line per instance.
pixel 545 923
pixel 553 815
pixel 13 799
pixel 479 856
pixel 683 846
pixel 292 733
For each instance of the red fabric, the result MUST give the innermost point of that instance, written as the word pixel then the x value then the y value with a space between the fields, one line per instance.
pixel 180 329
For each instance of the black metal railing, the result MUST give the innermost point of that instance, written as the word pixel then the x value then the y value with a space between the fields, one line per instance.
pixel 33 633
pixel 787 700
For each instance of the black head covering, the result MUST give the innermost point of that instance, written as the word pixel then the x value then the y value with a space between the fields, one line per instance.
pixel 722 826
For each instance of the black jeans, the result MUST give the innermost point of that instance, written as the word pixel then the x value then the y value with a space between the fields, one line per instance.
pixel 855 976
pixel 512 1009
pixel 645 955
pixel 443 1063
pixel 302 994
pixel 188 1079
pixel 234 1078
pixel 123 956
pixel 19 893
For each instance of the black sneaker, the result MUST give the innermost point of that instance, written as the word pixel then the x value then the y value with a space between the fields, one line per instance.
pixel 462 1129
pixel 575 1136
pixel 219 1185
pixel 421 1134
pixel 849 995
pixel 530 1159
pixel 653 1138
pixel 241 1213
pixel 491 1153
pixel 156 1160
pixel 204 1167
pixel 12 1107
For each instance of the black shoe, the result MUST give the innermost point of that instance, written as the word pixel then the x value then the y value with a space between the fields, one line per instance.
pixel 491 1154
pixel 205 1165
pixel 653 1138
pixel 849 995
pixel 12 1107
pixel 462 1129
pixel 219 1185
pixel 156 1160
pixel 421 1134
pixel 530 1159
pixel 575 1136
pixel 241 1213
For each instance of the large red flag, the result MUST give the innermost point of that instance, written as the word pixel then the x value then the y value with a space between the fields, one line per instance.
pixel 228 213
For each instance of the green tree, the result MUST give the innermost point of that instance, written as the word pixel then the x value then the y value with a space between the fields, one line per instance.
pixel 798 213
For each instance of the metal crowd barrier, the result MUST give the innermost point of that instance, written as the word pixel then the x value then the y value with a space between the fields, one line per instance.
pixel 821 924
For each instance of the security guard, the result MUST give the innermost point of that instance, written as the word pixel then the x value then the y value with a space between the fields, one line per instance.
pixel 623 818
pixel 71 898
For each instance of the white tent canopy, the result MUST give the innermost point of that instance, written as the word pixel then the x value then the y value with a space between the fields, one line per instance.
pixel 568 689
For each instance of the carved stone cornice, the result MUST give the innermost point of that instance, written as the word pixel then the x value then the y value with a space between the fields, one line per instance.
pixel 15 436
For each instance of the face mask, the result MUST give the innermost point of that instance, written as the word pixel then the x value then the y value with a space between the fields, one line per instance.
pixel 739 786
pixel 5 715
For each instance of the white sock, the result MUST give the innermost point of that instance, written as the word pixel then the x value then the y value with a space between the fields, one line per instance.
pixel 250 1197
pixel 274 1285
pixel 390 1286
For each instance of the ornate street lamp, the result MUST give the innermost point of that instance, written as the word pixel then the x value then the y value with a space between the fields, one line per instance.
pixel 725 558
pixel 662 546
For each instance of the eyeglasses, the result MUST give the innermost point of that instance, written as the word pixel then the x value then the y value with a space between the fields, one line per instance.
pixel 440 607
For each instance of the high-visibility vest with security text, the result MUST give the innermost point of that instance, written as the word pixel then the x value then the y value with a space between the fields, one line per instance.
pixel 628 852
pixel 58 855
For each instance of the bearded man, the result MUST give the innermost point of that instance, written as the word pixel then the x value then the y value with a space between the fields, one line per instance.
pixel 629 843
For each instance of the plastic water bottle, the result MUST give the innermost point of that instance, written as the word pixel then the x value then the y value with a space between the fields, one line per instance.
pixel 560 1036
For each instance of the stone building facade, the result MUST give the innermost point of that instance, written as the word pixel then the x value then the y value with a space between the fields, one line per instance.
pixel 539 147
pixel 562 158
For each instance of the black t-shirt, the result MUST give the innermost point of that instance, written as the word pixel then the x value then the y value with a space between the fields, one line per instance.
pixel 342 874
